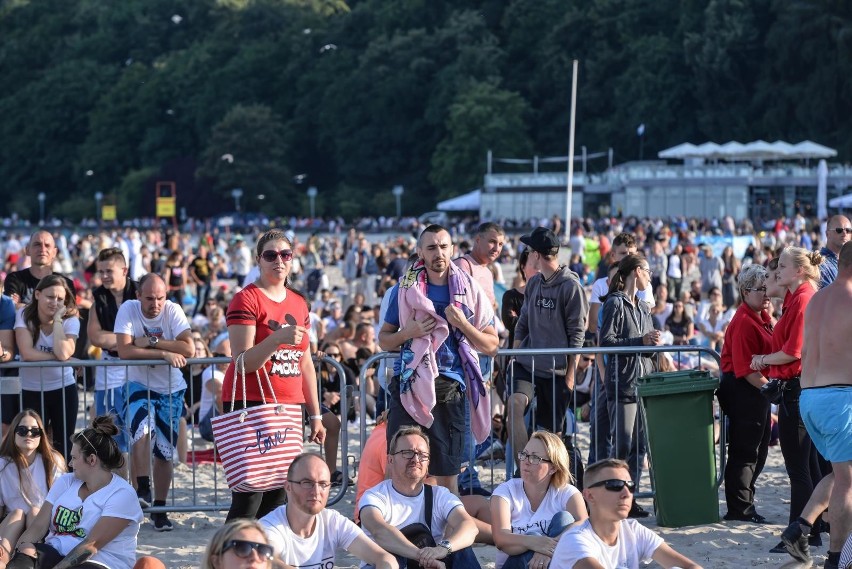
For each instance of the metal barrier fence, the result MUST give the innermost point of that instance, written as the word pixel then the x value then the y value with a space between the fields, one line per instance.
pixel 507 367
pixel 186 494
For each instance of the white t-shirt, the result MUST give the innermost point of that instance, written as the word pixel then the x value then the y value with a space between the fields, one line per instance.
pixel 524 520
pixel 399 511
pixel 167 326
pixel 332 532
pixel 207 398
pixel 601 288
pixel 72 519
pixel 109 377
pixel 29 490
pixel 636 544
pixel 47 378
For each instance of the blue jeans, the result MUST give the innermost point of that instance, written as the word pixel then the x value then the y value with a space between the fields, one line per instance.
pixel 558 523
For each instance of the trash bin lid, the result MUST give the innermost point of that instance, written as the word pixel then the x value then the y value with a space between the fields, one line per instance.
pixel 671 382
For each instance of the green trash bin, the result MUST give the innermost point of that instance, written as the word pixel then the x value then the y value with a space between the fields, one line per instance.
pixel 678 410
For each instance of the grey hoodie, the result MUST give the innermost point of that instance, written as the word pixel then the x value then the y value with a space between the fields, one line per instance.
pixel 553 316
pixel 624 324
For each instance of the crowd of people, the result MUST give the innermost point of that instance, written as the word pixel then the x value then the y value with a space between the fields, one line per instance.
pixel 441 301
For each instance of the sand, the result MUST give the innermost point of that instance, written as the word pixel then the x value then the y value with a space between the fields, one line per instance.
pixel 723 544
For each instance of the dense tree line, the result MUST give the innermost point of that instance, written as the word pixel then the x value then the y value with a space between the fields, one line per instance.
pixel 355 97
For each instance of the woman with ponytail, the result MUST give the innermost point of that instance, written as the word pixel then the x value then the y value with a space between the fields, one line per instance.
pixel 798 274
pixel 90 518
pixel 627 321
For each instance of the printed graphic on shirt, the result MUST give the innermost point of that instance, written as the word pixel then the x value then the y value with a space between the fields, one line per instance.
pixel 65 521
pixel 534 528
pixel 153 331
pixel 326 563
pixel 285 363
pixel 542 302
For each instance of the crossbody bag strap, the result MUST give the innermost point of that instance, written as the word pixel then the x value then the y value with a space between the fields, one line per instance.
pixel 427 498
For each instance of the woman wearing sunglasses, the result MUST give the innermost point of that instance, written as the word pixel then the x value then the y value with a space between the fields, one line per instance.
pixel 239 544
pixel 749 333
pixel 28 467
pixel 90 519
pixel 528 514
pixel 268 321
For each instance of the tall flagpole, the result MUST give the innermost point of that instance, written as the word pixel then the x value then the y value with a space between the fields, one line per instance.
pixel 569 190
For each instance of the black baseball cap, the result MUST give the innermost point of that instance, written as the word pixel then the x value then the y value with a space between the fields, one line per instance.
pixel 541 240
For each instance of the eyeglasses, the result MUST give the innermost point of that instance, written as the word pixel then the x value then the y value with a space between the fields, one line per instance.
pixel 23 431
pixel 408 454
pixel 243 549
pixel 271 256
pixel 646 270
pixel 615 485
pixel 533 459
pixel 761 290
pixel 335 356
pixel 309 484
pixel 842 230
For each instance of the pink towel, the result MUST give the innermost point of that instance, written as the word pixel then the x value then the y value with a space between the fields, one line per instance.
pixel 419 370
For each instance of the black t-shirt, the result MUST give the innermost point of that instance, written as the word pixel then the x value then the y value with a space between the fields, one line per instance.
pixel 23 283
pixel 106 308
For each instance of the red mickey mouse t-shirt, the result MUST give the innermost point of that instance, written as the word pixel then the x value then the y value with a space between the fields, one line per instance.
pixel 250 307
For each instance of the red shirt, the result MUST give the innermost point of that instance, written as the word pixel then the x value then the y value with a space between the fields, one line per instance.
pixel 789 335
pixel 250 307
pixel 749 333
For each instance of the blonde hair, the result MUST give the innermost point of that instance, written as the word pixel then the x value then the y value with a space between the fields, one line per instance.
pixel 226 533
pixel 808 261
pixel 557 454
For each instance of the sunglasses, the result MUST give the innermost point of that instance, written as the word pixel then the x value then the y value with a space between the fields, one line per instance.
pixel 23 431
pixel 615 485
pixel 243 549
pixel 272 256
pixel 588 359
pixel 761 290
pixel 335 356
pixel 842 230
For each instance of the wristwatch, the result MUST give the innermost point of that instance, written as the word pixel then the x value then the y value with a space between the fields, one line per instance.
pixel 445 543
pixel 152 341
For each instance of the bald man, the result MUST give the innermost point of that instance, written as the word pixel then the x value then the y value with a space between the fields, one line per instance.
pixel 305 533
pixel 838 231
pixel 41 249
pixel 153 328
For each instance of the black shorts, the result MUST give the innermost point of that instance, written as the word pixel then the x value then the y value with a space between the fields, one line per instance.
pixel 550 393
pixel 446 435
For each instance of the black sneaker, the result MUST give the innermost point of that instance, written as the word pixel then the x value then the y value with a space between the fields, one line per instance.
pixel 337 479
pixel 796 542
pixel 780 548
pixel 162 522
pixel 814 540
pixel 145 500
pixel 637 511
pixel 829 564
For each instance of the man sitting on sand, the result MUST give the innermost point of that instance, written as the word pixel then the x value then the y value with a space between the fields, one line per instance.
pixel 303 533
pixel 415 521
pixel 608 540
